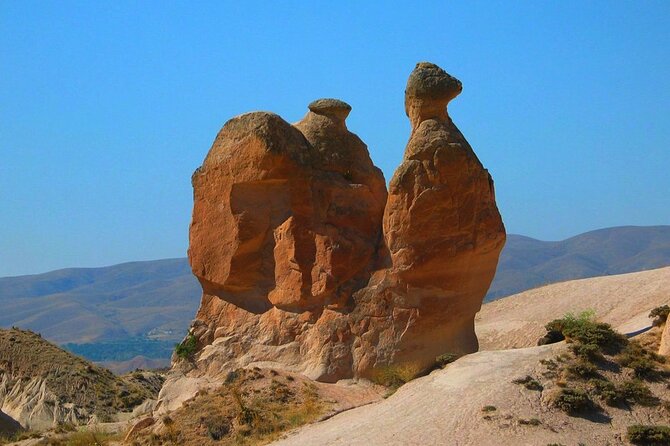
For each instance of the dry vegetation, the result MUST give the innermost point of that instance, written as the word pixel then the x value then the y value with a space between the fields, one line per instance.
pixel 605 369
pixel 253 407
pixel 25 355
pixel 66 435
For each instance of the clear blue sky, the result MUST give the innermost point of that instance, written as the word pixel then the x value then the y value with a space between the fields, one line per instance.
pixel 106 108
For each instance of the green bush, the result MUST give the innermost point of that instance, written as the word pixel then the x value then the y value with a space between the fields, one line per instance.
pixel 489 409
pixel 649 435
pixel 572 401
pixel 187 348
pixel 607 391
pixel 583 370
pixel 660 314
pixel 628 392
pixel 635 391
pixel 591 338
pixel 643 362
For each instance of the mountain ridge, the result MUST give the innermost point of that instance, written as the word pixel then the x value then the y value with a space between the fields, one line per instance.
pixel 527 263
pixel 157 299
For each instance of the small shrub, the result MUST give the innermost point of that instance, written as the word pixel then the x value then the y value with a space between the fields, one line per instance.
pixel 582 370
pixel 217 427
pixel 628 392
pixel 572 401
pixel 607 391
pixel 635 391
pixel 529 383
pixel 394 376
pixel 643 362
pixel 550 364
pixel 186 349
pixel 649 435
pixel 530 422
pixel 232 376
pixel 446 358
pixel 587 352
pixel 660 314
pixel 489 409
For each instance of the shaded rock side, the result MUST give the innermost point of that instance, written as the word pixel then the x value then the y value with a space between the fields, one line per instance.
pixel 307 263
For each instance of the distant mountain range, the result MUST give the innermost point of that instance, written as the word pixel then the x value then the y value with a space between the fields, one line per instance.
pixel 528 263
pixel 156 300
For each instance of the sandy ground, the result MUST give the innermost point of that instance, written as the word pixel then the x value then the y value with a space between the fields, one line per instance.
pixel 445 408
pixel 623 301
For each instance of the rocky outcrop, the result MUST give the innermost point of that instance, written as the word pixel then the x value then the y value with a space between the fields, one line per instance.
pixel 307 263
pixel 32 404
pixel 42 386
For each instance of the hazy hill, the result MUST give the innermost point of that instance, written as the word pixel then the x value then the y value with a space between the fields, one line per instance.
pixel 79 305
pixel 527 263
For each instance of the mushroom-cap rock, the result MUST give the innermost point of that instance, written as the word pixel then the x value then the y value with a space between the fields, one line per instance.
pixel 429 90
pixel 330 107
pixel 307 262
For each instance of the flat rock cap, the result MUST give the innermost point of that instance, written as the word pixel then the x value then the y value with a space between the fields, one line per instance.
pixel 330 107
pixel 428 81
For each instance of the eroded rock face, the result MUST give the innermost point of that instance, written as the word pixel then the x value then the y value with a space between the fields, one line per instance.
pixel 307 263
pixel 284 218
pixel 441 223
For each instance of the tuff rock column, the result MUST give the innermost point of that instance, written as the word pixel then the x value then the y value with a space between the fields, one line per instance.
pixel 443 232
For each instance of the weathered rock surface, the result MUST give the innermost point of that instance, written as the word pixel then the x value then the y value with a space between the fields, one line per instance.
pixel 664 348
pixel 307 263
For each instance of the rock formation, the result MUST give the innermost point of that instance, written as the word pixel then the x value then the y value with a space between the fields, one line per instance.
pixel 307 264
pixel 664 347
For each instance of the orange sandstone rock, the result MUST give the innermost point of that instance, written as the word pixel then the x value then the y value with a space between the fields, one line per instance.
pixel 307 264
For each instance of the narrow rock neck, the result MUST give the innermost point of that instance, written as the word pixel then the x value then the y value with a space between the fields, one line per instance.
pixel 419 110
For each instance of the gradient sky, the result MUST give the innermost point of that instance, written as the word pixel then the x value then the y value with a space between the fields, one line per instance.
pixel 106 108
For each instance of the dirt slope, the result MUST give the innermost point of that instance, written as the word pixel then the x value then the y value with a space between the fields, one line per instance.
pixel 42 385
pixel 624 301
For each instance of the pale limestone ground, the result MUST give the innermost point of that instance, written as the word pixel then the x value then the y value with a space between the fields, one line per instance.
pixel 445 408
pixel 622 300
